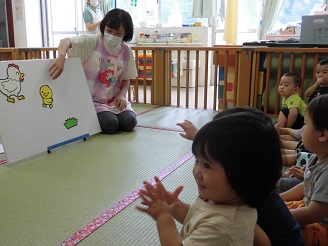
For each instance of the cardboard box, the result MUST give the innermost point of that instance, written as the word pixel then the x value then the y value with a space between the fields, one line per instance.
pixel 314 29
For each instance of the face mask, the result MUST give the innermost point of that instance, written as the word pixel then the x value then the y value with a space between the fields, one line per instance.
pixel 94 3
pixel 112 40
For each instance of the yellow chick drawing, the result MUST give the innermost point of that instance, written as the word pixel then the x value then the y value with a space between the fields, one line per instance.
pixel 46 94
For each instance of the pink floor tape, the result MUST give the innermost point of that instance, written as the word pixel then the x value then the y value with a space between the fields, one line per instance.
pixel 3 162
pixel 161 128
pixel 148 110
pixel 92 226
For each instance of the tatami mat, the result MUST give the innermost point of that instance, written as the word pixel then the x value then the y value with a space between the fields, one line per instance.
pixel 167 118
pixel 46 200
pixel 139 108
pixel 132 227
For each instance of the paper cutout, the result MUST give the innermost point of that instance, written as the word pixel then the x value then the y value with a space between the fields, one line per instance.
pixel 71 122
pixel 11 86
pixel 46 94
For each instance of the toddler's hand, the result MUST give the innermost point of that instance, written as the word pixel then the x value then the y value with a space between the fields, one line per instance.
pixel 155 205
pixel 167 196
pixel 189 128
pixel 320 81
pixel 297 172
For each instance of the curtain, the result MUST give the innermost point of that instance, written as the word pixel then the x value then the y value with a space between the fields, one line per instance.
pixel 221 9
pixel 231 22
pixel 203 8
pixel 269 14
pixel 107 5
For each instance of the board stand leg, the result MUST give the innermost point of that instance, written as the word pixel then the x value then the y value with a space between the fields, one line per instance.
pixel 84 137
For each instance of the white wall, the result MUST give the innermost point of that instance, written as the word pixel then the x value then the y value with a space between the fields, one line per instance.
pixel 27 23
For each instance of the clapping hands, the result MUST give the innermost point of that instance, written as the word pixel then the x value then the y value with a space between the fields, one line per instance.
pixel 297 172
pixel 157 200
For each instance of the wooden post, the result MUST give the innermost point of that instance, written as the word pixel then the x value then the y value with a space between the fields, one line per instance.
pixel 244 80
pixel 159 76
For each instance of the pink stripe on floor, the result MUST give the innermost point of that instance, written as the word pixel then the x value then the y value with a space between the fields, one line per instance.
pixel 161 128
pixel 148 110
pixel 3 162
pixel 92 226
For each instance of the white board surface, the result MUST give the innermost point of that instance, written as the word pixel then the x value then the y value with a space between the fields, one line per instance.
pixel 36 120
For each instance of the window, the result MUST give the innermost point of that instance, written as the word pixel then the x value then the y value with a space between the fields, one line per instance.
pixel 247 20
pixel 167 12
pixel 63 22
pixel 144 11
pixel 292 11
pixel 182 9
pixel 175 13
pixel 178 12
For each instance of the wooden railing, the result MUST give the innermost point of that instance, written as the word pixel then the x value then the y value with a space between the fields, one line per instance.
pixel 207 77
pixel 195 83
pixel 268 66
pixel 27 53
pixel 8 54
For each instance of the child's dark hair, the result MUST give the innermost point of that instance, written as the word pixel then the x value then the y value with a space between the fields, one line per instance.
pixel 323 62
pixel 297 78
pixel 317 109
pixel 114 18
pixel 233 110
pixel 247 146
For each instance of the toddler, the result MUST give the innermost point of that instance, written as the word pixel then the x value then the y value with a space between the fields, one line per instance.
pixel 308 201
pixel 293 107
pixel 275 224
pixel 229 187
pixel 320 87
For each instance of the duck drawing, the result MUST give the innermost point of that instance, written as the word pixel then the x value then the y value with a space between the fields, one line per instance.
pixel 11 86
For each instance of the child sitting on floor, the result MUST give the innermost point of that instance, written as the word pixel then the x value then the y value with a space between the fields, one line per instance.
pixel 229 187
pixel 320 87
pixel 275 223
pixel 293 107
pixel 308 201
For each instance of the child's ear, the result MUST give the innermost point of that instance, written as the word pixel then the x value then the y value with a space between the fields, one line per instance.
pixel 296 89
pixel 324 136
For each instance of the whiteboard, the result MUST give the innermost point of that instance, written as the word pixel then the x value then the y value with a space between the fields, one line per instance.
pixel 45 113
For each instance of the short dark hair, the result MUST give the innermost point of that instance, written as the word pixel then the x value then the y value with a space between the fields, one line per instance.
pixel 248 147
pixel 296 76
pixel 239 109
pixel 323 62
pixel 114 18
pixel 317 109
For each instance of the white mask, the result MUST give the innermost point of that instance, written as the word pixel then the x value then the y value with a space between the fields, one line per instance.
pixel 111 40
pixel 94 3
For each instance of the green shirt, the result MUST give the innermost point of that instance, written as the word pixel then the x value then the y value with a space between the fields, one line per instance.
pixel 294 101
